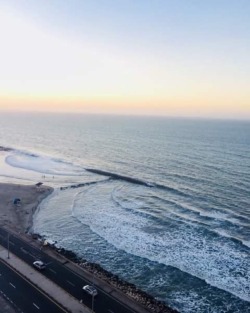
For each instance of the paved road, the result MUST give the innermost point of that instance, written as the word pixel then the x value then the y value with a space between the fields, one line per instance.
pixel 25 295
pixel 63 276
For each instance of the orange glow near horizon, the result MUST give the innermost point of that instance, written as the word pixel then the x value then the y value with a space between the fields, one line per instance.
pixel 175 107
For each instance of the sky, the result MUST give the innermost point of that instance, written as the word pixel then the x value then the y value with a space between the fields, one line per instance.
pixel 149 57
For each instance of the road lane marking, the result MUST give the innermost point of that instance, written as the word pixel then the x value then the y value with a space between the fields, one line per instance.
pixel 70 283
pixel 49 263
pixel 12 285
pixel 29 253
pixel 106 293
pixel 34 256
pixel 34 286
pixel 36 306
pixel 52 271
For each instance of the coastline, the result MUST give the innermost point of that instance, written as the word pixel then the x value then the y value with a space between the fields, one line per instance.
pixel 19 214
pixel 146 300
pixel 19 217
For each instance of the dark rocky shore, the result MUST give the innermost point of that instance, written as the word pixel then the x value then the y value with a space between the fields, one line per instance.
pixel 150 303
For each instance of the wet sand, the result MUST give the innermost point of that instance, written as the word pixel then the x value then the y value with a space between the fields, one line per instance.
pixel 19 216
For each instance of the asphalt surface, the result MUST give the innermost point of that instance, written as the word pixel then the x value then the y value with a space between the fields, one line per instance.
pixel 60 274
pixel 25 295
pixel 6 306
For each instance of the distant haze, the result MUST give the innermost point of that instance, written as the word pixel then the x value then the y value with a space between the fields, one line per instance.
pixel 175 58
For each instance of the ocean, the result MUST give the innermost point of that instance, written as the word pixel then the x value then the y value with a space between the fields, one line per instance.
pixel 162 202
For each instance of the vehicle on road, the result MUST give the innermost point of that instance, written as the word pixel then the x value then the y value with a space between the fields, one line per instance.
pixel 39 265
pixel 90 290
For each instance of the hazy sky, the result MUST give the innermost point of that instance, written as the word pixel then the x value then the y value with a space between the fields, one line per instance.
pixel 159 57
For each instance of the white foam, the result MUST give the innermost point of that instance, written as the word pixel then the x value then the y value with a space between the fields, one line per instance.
pixel 215 215
pixel 246 243
pixel 11 174
pixel 219 261
pixel 190 301
pixel 225 215
pixel 42 164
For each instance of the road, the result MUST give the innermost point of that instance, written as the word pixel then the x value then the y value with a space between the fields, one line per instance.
pixel 25 295
pixel 63 276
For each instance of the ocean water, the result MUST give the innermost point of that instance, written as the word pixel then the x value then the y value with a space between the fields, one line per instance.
pixel 163 203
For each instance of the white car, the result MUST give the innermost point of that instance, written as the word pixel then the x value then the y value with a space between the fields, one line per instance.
pixel 90 290
pixel 39 265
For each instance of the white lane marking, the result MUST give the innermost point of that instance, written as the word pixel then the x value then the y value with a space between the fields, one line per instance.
pixel 52 271
pixel 33 256
pixel 36 306
pixel 12 285
pixel 29 253
pixel 49 263
pixel 70 283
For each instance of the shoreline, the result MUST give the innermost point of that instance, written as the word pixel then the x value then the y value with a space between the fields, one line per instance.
pixel 19 203
pixel 19 217
pixel 141 297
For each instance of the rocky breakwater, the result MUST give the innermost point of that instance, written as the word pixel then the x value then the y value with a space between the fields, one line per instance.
pixel 150 303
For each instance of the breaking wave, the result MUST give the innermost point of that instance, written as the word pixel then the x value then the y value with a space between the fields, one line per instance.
pixel 42 164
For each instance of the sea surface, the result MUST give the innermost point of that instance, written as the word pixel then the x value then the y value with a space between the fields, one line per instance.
pixel 163 203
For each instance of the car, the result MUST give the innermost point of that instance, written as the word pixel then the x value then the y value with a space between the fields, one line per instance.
pixel 39 265
pixel 90 290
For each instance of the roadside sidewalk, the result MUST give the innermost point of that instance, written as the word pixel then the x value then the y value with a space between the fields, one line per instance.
pixel 47 286
pixel 113 291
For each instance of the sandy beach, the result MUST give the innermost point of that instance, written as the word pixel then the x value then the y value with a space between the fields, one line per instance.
pixel 18 214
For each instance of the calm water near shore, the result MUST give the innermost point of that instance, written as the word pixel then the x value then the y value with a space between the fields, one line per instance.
pixel 164 203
